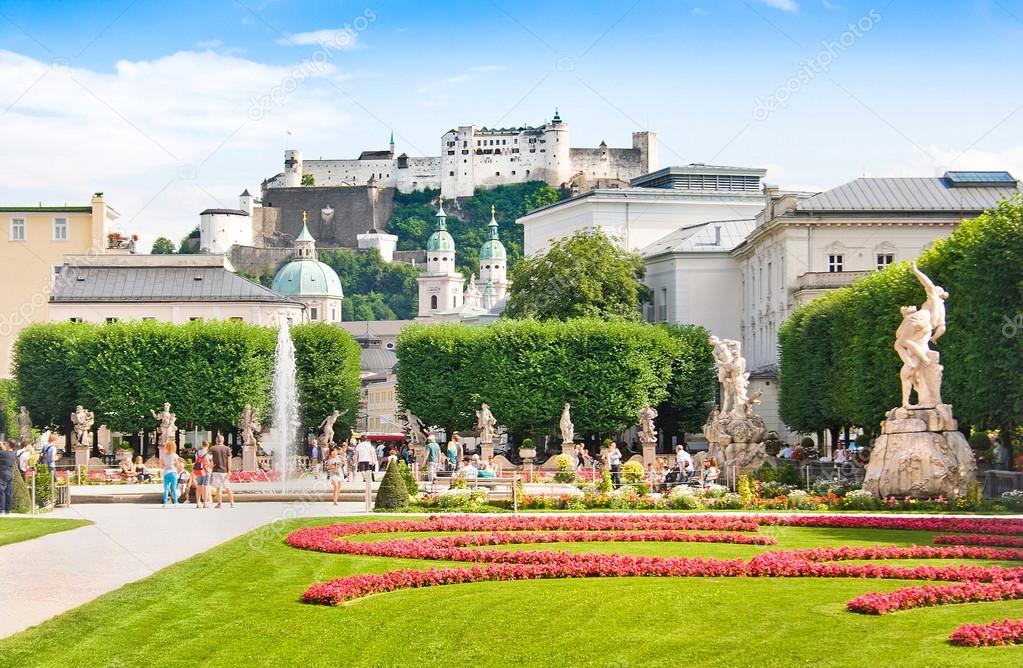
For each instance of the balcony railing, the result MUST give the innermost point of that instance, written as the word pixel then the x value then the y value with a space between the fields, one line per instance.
pixel 827 280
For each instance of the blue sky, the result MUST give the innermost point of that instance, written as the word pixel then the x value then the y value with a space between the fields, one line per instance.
pixel 171 108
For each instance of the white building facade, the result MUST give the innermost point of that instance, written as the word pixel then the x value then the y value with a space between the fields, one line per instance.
pixel 654 206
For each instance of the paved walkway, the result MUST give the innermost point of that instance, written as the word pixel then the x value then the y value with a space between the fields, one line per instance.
pixel 46 576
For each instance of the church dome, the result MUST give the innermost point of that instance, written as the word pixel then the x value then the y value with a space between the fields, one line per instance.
pixel 440 241
pixel 493 249
pixel 307 278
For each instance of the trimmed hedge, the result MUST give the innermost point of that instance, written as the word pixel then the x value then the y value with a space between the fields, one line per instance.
pixel 392 492
pixel 526 370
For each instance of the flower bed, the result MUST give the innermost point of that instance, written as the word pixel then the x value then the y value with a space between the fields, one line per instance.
pixel 985 539
pixel 880 603
pixel 1006 632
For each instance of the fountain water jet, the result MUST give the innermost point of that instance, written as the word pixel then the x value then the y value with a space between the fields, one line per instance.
pixel 284 397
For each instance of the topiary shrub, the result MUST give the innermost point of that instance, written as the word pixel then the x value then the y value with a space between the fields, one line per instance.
pixel 527 444
pixel 566 468
pixel 766 473
pixel 22 497
pixel 409 478
pixel 807 443
pixel 392 492
pixel 605 485
pixel 632 472
pixel 788 474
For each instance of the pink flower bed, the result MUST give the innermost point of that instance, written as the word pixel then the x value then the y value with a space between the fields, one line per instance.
pixel 977 582
pixel 980 539
pixel 1006 632
pixel 880 603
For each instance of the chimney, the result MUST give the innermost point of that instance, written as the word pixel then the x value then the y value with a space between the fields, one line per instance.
pixel 770 195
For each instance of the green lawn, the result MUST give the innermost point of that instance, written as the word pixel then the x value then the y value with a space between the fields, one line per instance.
pixel 17 529
pixel 236 605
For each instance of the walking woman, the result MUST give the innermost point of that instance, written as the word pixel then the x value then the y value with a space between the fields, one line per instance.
pixel 169 460
pixel 334 473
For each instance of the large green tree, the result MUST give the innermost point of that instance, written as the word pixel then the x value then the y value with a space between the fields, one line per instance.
pixel 586 275
pixel 374 289
pixel 327 365
pixel 162 246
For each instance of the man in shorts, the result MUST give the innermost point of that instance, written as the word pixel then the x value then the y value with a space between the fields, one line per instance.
pixel 220 479
pixel 366 459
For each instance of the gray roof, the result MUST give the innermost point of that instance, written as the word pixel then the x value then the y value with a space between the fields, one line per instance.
pixel 702 238
pixel 233 212
pixel 907 194
pixel 158 284
pixel 377 360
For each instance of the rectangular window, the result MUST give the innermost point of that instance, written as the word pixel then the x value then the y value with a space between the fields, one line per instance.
pixel 662 314
pixel 17 229
pixel 836 263
pixel 885 259
pixel 770 278
pixel 60 229
pixel 313 313
pixel 237 318
pixel 74 320
pixel 112 320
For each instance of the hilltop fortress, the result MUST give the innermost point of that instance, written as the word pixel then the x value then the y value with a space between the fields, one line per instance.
pixel 472 157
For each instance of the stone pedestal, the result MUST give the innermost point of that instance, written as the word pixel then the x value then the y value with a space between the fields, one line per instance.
pixel 920 454
pixel 82 457
pixel 527 457
pixel 486 451
pixel 737 443
pixel 649 453
pixel 248 458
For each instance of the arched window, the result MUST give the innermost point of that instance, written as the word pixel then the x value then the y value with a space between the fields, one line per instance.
pixel 433 302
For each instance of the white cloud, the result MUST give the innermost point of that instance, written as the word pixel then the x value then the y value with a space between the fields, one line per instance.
pixel 784 5
pixel 343 39
pixel 934 160
pixel 163 138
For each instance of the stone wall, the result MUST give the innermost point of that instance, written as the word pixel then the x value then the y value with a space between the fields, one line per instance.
pixel 356 209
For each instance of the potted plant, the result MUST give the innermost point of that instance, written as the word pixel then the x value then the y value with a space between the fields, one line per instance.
pixel 526 449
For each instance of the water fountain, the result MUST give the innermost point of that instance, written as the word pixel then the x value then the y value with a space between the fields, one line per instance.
pixel 284 396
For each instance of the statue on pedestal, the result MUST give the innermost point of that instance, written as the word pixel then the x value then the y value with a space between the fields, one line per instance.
pixel 168 427
pixel 472 296
pixel 567 428
pixel 24 425
pixel 415 429
pixel 647 433
pixel 328 425
pixel 250 425
pixel 736 434
pixel 920 451
pixel 82 421
pixel 485 424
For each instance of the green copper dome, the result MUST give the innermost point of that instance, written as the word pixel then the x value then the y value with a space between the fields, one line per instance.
pixel 307 278
pixel 492 248
pixel 440 240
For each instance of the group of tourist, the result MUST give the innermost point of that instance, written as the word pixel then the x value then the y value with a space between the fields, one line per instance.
pixel 210 472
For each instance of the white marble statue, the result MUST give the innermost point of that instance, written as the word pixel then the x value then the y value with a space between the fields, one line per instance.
pixel 415 427
pixel 647 433
pixel 921 367
pixel 328 425
pixel 168 427
pixel 485 424
pixel 250 425
pixel 920 452
pixel 472 296
pixel 567 428
pixel 82 421
pixel 733 377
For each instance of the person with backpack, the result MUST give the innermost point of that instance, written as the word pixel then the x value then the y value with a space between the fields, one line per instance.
pixel 7 463
pixel 48 455
pixel 201 474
